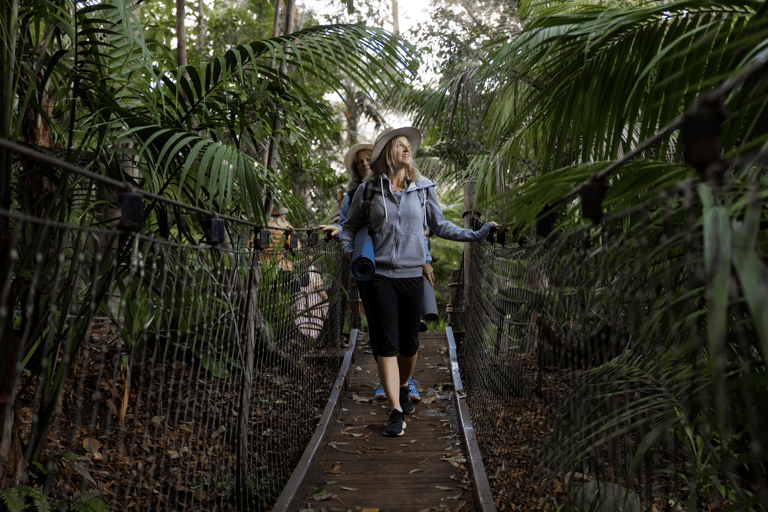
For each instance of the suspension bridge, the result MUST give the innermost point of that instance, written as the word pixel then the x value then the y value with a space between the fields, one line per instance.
pixel 223 372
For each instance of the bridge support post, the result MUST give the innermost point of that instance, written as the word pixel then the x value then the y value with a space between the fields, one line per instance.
pixel 470 221
pixel 455 307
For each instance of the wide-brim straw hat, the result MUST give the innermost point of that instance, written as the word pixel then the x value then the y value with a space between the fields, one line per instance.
pixel 349 157
pixel 412 134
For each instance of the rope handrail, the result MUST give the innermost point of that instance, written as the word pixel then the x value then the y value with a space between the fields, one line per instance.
pixel 44 158
pixel 713 96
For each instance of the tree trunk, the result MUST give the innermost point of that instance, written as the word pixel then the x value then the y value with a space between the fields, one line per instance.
pixel 246 388
pixel 395 17
pixel 277 125
pixel 40 192
pixel 181 33
pixel 202 28
pixel 257 340
pixel 352 114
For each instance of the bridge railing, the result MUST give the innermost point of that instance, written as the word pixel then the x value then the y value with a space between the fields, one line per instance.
pixel 622 357
pixel 626 359
pixel 146 373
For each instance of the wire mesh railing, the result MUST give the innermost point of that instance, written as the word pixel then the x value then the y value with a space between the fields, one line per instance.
pixel 622 364
pixel 147 373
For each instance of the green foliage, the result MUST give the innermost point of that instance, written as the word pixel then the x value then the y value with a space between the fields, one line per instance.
pixel 231 25
pixel 23 498
pixel 89 502
pixel 438 325
pixel 580 87
pixel 115 102
pixel 138 311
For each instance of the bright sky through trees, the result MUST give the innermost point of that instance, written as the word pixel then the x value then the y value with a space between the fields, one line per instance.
pixel 411 11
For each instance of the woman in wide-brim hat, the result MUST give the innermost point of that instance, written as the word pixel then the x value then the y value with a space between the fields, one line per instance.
pixel 357 162
pixel 399 205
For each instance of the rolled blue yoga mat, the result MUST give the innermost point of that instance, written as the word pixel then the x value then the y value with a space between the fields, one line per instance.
pixel 363 265
pixel 429 307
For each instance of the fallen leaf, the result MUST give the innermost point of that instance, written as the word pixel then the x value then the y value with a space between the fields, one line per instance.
pixel 91 445
pixel 335 470
pixel 321 495
pixel 335 444
pixel 441 488
pixel 376 448
pixel 347 488
pixel 416 470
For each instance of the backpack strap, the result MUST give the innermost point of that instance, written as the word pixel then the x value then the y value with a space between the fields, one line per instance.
pixel 367 197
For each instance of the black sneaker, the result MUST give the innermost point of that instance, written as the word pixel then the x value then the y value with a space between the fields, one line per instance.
pixel 405 400
pixel 396 425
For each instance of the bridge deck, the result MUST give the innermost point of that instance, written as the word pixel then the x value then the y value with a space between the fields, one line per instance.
pixel 355 467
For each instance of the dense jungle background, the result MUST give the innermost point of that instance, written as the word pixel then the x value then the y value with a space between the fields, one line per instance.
pixel 633 135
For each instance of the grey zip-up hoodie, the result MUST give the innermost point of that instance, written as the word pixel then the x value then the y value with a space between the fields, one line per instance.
pixel 397 230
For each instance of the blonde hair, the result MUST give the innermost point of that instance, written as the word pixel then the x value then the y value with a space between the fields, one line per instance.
pixel 389 153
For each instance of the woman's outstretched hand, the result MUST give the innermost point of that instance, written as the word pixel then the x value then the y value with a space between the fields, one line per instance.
pixel 493 224
pixel 330 228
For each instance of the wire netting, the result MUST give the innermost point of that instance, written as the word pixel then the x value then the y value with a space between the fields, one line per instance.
pixel 621 365
pixel 146 374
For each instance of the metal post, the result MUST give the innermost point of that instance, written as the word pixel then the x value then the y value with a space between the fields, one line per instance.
pixel 469 217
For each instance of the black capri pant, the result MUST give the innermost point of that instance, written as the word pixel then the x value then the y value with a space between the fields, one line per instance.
pixel 393 309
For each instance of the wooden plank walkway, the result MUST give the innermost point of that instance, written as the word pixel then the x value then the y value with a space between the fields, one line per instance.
pixel 351 465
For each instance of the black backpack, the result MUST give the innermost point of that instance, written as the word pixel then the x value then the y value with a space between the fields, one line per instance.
pixel 368 195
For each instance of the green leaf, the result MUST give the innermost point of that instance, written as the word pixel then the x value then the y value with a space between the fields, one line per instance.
pixel 717 258
pixel 752 272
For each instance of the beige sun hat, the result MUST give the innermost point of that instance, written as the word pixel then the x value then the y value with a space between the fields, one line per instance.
pixel 349 157
pixel 412 134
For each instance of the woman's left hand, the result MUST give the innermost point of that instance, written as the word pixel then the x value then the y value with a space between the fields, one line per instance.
pixel 493 224
pixel 429 273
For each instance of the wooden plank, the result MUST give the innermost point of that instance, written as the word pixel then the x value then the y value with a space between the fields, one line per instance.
pixel 380 468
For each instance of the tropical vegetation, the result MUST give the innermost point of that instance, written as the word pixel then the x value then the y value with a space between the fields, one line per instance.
pixel 97 85
pixel 642 127
pixel 624 136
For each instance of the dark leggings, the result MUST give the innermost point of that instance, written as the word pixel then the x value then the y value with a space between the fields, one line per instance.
pixel 393 309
